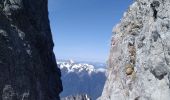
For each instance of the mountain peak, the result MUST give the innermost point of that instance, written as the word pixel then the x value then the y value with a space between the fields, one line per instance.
pixel 71 61
pixel 82 78
pixel 71 66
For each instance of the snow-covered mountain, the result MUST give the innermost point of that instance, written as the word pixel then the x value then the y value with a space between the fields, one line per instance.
pixel 77 97
pixel 82 78
pixel 71 66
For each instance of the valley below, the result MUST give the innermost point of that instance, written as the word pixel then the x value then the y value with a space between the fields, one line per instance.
pixel 81 78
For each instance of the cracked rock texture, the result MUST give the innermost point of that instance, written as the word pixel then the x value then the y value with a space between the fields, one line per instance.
pixel 139 61
pixel 27 62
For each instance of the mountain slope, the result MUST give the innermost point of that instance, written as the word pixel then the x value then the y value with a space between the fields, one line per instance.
pixel 82 78
pixel 139 62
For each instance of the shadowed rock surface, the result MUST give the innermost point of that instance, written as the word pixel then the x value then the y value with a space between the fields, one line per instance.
pixel 27 62
pixel 139 62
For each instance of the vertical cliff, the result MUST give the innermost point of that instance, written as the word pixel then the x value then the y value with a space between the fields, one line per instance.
pixel 27 62
pixel 139 61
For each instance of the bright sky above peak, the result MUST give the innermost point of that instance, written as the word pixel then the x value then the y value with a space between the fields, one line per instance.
pixel 82 29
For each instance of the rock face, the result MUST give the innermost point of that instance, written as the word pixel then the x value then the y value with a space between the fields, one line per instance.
pixel 77 97
pixel 139 62
pixel 27 62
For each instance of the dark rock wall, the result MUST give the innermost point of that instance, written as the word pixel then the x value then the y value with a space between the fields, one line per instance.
pixel 28 69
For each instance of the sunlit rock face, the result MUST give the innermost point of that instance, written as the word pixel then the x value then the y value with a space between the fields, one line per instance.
pixel 27 62
pixel 139 61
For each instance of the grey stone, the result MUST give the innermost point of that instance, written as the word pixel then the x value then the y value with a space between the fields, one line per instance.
pixel 160 71
pixel 150 79
pixel 154 6
pixel 169 79
pixel 155 36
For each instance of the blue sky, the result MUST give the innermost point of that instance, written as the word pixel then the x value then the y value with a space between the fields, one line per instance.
pixel 82 29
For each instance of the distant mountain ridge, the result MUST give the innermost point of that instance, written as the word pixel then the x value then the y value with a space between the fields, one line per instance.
pixel 94 63
pixel 77 97
pixel 82 78
pixel 71 66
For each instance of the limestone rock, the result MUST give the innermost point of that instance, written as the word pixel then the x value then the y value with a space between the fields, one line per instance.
pixel 146 27
pixel 27 62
